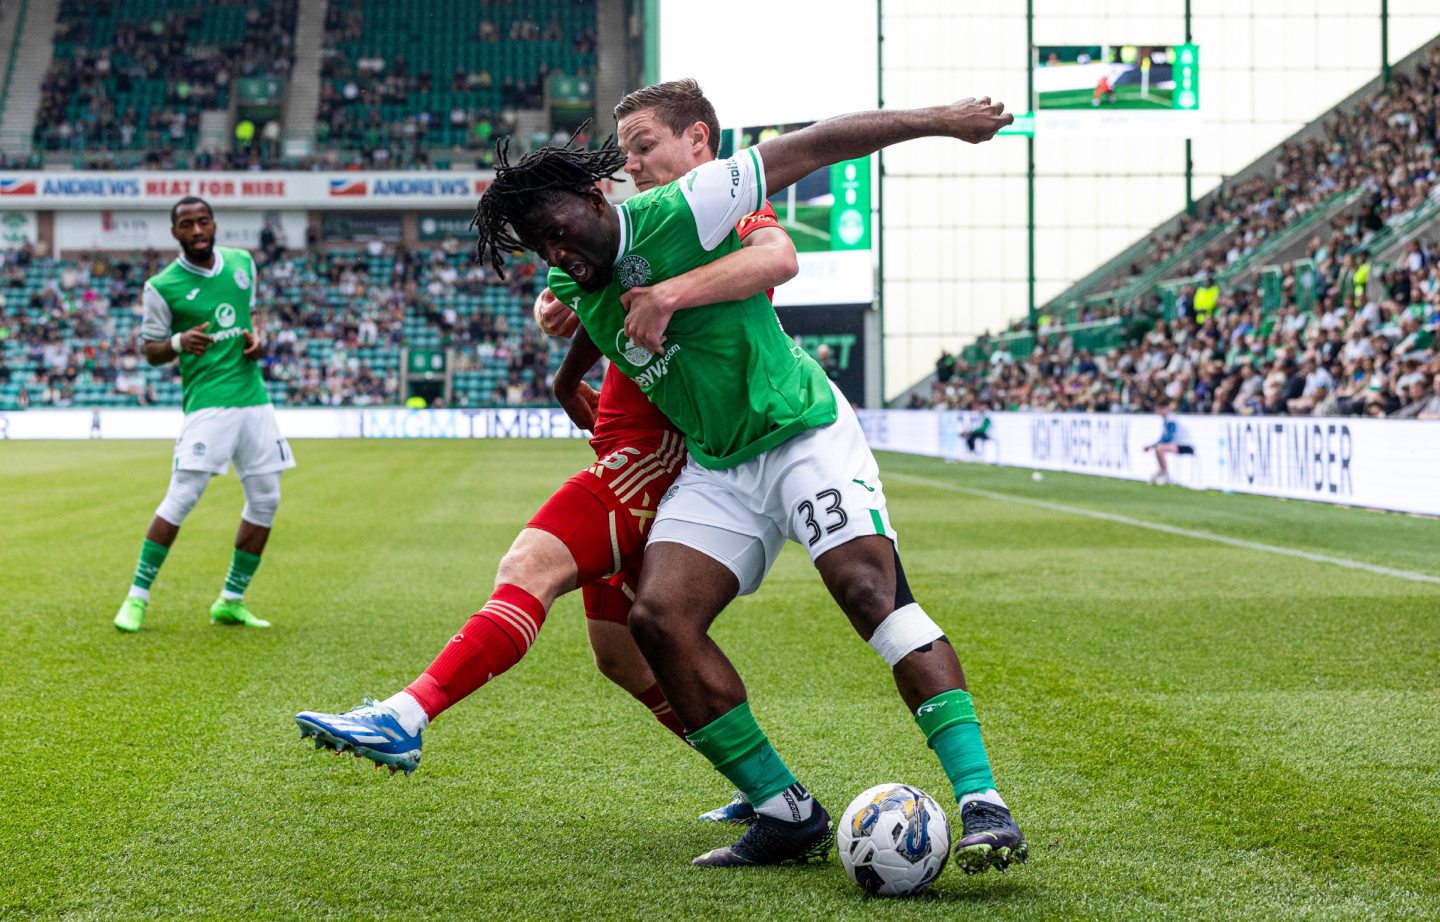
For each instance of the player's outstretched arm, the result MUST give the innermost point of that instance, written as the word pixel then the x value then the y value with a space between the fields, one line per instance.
pixel 765 260
pixel 791 157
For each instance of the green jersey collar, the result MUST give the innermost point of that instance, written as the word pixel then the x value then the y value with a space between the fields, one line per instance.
pixel 207 273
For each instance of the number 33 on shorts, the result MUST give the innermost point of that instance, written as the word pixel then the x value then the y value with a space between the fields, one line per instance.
pixel 833 516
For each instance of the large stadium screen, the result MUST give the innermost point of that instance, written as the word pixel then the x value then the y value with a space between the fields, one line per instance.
pixel 828 216
pixel 1108 88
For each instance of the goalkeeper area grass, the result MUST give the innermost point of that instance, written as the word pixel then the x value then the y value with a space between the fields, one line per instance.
pixel 1184 728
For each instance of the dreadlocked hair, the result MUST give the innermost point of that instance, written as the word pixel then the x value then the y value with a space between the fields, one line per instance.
pixel 517 186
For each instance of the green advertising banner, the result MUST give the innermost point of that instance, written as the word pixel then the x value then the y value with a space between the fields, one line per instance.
pixel 425 361
pixel 260 91
pixel 850 215
pixel 1187 77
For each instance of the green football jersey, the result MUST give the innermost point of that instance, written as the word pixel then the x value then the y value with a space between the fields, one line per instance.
pixel 729 378
pixel 183 296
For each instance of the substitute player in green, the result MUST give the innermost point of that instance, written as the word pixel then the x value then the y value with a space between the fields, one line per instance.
pixel 775 454
pixel 199 310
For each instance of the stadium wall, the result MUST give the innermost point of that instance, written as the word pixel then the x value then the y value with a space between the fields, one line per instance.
pixel 318 423
pixel 1380 464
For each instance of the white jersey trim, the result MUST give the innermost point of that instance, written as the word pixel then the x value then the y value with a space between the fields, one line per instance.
pixel 722 192
pixel 623 215
pixel 196 270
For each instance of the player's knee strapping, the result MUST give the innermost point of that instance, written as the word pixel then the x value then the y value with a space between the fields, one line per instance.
pixel 186 488
pixel 907 628
pixel 904 630
pixel 262 498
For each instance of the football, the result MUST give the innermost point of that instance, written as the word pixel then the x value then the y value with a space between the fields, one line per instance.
pixel 894 840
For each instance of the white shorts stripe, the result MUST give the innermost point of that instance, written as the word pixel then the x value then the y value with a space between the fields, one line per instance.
pixel 820 489
pixel 663 457
pixel 645 461
pixel 666 461
pixel 629 494
pixel 614 545
pixel 677 450
pixel 648 468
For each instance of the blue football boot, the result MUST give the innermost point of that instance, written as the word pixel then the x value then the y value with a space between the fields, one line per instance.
pixel 370 730
pixel 736 812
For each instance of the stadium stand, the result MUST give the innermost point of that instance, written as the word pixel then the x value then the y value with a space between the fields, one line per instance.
pixel 1309 289
pixel 337 320
pixel 453 88
pixel 134 75
pixel 130 79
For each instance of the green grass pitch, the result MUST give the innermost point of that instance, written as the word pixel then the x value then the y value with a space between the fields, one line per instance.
pixel 1186 730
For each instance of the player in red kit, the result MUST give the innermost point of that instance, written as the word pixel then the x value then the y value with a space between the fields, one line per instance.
pixel 591 533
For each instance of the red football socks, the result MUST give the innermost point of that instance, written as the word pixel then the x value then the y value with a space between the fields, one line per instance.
pixel 495 638
pixel 654 699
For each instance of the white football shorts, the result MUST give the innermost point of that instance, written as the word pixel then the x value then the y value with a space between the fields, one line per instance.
pixel 820 489
pixel 213 438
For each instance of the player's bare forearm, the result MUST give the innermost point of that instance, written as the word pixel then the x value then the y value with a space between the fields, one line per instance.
pixel 158 352
pixel 254 344
pixel 791 157
pixel 766 259
pixel 579 400
pixel 578 361
pixel 194 341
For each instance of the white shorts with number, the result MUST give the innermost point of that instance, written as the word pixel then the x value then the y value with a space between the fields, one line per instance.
pixel 821 489
pixel 211 439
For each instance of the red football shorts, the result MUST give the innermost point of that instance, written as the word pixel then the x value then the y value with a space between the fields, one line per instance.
pixel 603 516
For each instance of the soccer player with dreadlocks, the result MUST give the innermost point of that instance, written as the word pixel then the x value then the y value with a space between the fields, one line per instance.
pixel 775 453
pixel 600 517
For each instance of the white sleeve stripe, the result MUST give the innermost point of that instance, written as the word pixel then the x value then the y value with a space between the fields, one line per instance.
pixel 759 179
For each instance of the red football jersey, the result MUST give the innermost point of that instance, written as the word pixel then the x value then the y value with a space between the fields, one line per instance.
pixel 623 405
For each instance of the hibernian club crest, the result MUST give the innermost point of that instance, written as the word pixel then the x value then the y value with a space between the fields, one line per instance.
pixel 633 272
pixel 634 353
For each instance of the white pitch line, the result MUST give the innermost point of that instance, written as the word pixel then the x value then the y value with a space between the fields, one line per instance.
pixel 1378 570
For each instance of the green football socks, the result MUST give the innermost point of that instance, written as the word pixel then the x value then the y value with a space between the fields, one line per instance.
pixel 952 730
pixel 739 750
pixel 152 555
pixel 242 569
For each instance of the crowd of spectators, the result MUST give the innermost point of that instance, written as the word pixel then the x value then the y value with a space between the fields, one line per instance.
pixel 67 330
pixel 353 92
pixel 1387 147
pixel 333 332
pixel 1341 336
pixel 129 93
pixel 89 97
pixel 1369 347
